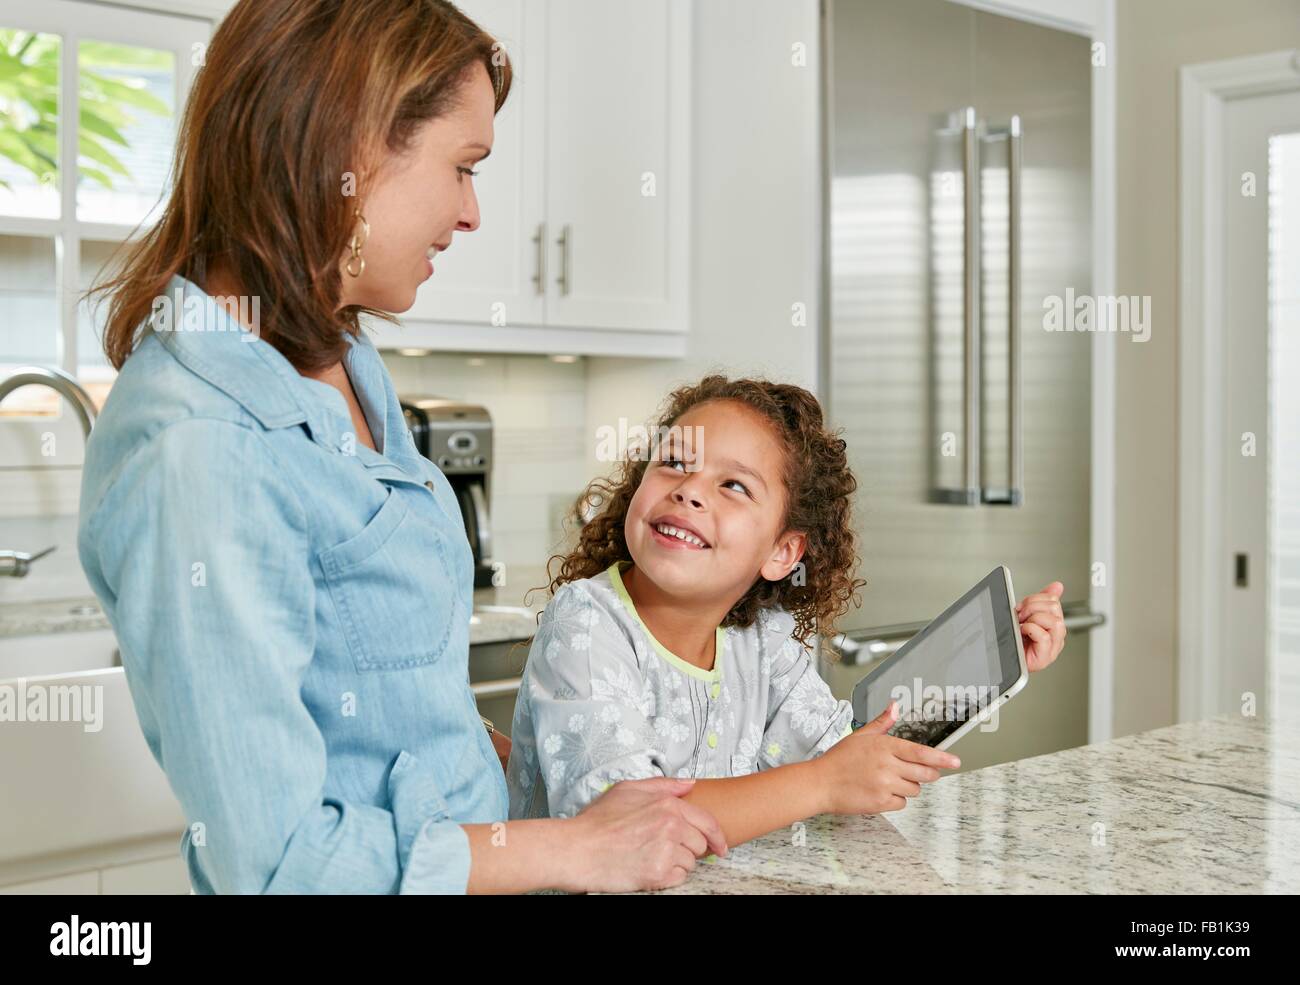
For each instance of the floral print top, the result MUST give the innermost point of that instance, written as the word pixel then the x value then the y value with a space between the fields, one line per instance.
pixel 602 700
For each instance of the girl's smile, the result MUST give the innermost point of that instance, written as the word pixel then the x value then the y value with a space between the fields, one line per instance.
pixel 676 534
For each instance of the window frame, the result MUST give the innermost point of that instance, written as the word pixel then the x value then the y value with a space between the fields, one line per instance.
pixel 74 21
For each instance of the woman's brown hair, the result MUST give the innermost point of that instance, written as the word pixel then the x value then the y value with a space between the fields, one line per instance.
pixel 293 97
pixel 818 503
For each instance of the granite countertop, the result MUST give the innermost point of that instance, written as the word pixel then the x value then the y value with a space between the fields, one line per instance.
pixel 500 614
pixel 1202 807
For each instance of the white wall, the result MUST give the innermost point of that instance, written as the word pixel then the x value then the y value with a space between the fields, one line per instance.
pixel 1156 38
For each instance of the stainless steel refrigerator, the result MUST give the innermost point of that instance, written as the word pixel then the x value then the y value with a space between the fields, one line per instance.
pixel 957 202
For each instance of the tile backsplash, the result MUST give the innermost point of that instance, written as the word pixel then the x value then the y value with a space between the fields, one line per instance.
pixel 538 408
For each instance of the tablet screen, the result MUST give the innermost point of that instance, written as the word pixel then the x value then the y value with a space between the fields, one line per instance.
pixel 958 665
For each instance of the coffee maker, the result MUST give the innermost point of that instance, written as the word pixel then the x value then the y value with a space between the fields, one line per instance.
pixel 457 437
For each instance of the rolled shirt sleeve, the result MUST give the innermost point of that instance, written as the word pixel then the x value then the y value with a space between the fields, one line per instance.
pixel 215 618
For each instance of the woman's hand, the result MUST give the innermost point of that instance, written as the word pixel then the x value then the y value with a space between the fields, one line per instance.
pixel 868 772
pixel 1042 624
pixel 640 834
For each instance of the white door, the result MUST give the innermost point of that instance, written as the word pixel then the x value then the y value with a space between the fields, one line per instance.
pixel 1260 650
pixel 489 276
pixel 616 163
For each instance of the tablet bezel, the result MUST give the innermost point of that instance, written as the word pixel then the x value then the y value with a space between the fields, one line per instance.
pixel 1011 658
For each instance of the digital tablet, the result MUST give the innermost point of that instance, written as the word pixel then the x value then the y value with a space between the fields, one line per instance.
pixel 954 674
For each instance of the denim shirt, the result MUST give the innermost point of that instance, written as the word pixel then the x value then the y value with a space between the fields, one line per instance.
pixel 292 611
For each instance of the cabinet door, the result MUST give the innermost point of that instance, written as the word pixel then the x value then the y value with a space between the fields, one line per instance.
pixel 77 884
pixel 617 157
pixel 158 877
pixel 487 275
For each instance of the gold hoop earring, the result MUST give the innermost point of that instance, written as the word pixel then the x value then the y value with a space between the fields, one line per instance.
pixel 355 244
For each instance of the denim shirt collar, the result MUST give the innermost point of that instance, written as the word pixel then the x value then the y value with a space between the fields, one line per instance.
pixel 256 375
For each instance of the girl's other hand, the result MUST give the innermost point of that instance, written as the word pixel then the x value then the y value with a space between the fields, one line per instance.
pixel 869 772
pixel 1042 624
pixel 640 834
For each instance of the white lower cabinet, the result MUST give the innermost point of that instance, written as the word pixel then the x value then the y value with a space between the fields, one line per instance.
pixel 155 877
pixel 85 807
pixel 76 884
pixel 160 877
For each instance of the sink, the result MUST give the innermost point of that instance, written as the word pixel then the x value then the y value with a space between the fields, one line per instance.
pixel 58 653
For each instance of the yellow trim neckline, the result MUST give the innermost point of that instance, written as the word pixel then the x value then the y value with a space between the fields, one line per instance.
pixel 685 666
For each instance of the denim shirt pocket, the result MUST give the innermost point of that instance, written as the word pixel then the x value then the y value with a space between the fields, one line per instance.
pixel 393 588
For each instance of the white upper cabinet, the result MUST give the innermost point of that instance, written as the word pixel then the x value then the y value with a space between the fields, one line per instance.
pixel 616 163
pixel 584 239
pixel 491 269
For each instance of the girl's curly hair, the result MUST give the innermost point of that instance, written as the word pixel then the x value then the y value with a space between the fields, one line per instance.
pixel 819 491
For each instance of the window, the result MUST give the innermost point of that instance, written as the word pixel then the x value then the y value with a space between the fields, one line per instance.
pixel 70 196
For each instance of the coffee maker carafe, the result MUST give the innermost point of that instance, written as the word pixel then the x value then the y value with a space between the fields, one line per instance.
pixel 457 437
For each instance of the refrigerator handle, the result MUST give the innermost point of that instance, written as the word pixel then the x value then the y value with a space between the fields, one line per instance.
pixel 1012 494
pixel 859 647
pixel 969 491
pixel 1016 419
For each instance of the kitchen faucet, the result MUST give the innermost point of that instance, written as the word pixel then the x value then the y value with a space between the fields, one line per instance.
pixel 15 564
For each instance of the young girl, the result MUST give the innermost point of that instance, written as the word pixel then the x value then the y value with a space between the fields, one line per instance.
pixel 677 639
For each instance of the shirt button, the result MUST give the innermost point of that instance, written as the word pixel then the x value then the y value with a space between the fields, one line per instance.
pixel 715 690
pixel 713 740
pixel 429 485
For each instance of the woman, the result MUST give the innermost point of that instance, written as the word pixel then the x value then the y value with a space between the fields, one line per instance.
pixel 288 578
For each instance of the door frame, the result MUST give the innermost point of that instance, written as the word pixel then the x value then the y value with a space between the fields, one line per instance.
pixel 1205 89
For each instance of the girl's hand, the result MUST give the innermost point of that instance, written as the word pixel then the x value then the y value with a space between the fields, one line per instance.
pixel 640 834
pixel 1042 624
pixel 868 772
